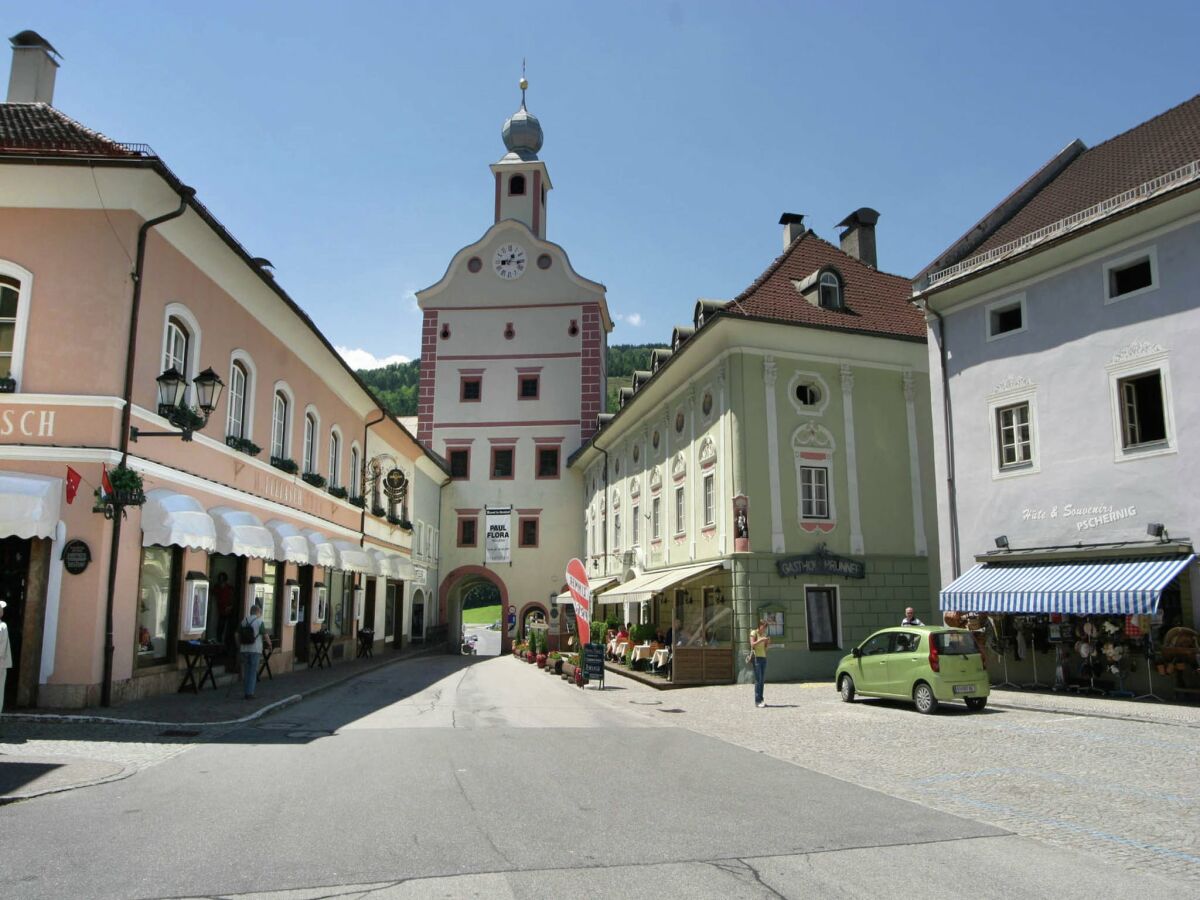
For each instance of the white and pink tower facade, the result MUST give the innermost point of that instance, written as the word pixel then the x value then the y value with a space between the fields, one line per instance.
pixel 513 353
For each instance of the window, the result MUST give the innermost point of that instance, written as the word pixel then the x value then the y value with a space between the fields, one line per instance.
pixel 335 458
pixel 14 311
pixel 656 519
pixel 158 606
pixel 616 531
pixel 341 603
pixel 466 531
pixel 236 426
pixel 1131 275
pixel 310 442
pixel 470 389
pixel 1143 417
pixel 502 462
pixel 814 492
pixel 1016 439
pixel 529 385
pixel 808 394
pixel 460 463
pixel 268 596
pixel 708 499
pixel 1005 317
pixel 354 472
pixel 528 531
pixel 679 525
pixel 679 422
pixel 876 645
pixel 908 642
pixel 547 466
pixel 279 425
pixel 821 608
pixel 635 525
pixel 516 186
pixel 175 347
pixel 830 296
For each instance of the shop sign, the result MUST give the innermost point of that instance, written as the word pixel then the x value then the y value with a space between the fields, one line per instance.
pixel 581 593
pixel 593 662
pixel 420 576
pixel 1083 516
pixel 75 556
pixel 27 422
pixel 497 541
pixel 821 563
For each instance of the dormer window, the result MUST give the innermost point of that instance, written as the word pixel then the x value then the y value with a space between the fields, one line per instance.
pixel 830 296
pixel 516 186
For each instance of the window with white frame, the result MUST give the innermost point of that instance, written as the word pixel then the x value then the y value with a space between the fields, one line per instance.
pixel 616 530
pixel 830 296
pixel 821 618
pixel 1014 435
pixel 680 526
pixel 656 519
pixel 10 310
pixel 175 346
pixel 635 525
pixel 238 381
pixel 709 510
pixel 335 458
pixel 1131 275
pixel 814 492
pixel 1005 317
pixel 279 425
pixel 354 467
pixel 1143 411
pixel 310 442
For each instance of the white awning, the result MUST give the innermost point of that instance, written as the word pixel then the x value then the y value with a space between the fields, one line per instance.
pixel 321 550
pixel 602 585
pixel 353 558
pixel 383 562
pixel 645 586
pixel 176 520
pixel 392 565
pixel 403 568
pixel 29 505
pixel 240 533
pixel 290 544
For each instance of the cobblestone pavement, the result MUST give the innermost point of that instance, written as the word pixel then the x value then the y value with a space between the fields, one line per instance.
pixel 1125 790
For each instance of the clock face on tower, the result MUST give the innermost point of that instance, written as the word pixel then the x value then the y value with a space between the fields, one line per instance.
pixel 509 261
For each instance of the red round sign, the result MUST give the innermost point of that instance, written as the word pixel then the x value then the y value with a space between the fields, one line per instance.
pixel 577 584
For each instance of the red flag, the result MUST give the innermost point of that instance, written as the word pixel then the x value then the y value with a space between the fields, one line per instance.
pixel 73 479
pixel 106 488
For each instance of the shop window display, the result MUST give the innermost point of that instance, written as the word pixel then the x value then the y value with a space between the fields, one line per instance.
pixel 269 591
pixel 701 618
pixel 158 606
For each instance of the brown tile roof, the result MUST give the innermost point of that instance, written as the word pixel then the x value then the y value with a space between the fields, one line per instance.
pixel 875 301
pixel 26 127
pixel 1161 145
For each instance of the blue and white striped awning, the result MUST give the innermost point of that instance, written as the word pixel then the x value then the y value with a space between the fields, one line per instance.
pixel 1126 587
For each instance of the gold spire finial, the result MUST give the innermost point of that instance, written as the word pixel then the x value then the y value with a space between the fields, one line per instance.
pixel 523 82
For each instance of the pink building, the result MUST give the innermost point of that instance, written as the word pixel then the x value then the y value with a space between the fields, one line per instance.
pixel 297 491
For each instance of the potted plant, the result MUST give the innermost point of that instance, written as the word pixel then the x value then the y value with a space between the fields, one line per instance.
pixel 337 491
pixel 378 511
pixel 127 486
pixel 316 479
pixel 393 520
pixel 541 650
pixel 554 662
pixel 283 464
pixel 357 501
pixel 242 445
pixel 8 384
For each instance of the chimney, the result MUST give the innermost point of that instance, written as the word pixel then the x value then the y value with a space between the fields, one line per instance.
pixel 34 65
pixel 858 240
pixel 793 227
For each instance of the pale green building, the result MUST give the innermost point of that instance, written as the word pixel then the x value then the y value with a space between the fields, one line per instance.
pixel 777 459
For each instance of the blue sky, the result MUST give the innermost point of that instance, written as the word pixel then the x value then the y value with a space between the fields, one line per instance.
pixel 349 142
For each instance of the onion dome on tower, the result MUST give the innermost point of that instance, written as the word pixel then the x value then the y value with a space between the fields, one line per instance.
pixel 522 132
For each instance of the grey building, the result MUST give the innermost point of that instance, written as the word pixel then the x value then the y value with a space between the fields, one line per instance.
pixel 1063 334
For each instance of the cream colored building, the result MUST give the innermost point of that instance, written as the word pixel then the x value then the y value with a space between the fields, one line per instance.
pixel 512 382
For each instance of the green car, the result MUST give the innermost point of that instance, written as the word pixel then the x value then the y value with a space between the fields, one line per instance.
pixel 924 663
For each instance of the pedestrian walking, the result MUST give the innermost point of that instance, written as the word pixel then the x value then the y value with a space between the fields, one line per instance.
pixel 5 654
pixel 760 640
pixel 252 633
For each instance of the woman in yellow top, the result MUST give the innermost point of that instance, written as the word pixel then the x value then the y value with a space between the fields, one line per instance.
pixel 760 640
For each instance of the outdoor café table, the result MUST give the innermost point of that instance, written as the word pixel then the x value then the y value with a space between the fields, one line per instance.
pixel 194 653
pixel 321 642
pixel 660 658
pixel 622 649
pixel 366 643
pixel 642 651
pixel 264 662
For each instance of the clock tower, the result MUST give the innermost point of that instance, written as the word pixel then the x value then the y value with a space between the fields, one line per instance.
pixel 513 350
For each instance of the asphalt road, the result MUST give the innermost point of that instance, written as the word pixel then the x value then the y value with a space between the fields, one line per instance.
pixel 474 776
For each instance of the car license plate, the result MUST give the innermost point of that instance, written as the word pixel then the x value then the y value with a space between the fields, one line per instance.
pixel 964 689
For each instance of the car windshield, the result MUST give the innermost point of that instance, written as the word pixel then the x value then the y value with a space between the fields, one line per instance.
pixel 955 643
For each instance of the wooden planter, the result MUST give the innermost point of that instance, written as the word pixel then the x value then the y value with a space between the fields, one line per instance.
pixel 567 671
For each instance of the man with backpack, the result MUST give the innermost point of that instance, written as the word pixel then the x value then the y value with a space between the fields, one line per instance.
pixel 252 632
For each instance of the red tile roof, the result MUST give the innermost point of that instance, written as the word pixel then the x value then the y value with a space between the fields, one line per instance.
pixel 875 301
pixel 26 127
pixel 1161 145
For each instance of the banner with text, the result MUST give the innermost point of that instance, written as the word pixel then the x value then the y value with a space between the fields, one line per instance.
pixel 581 593
pixel 497 540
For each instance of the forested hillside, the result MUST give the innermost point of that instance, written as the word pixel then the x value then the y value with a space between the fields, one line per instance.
pixel 396 385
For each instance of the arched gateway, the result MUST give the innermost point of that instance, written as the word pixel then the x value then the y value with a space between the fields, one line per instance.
pixel 455 587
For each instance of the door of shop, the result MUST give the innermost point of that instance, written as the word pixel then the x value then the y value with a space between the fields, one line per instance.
pixel 300 636
pixel 368 621
pixel 389 616
pixel 226 574
pixel 14 576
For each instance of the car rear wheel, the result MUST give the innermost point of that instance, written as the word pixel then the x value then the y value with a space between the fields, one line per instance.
pixel 924 699
pixel 975 704
pixel 846 686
